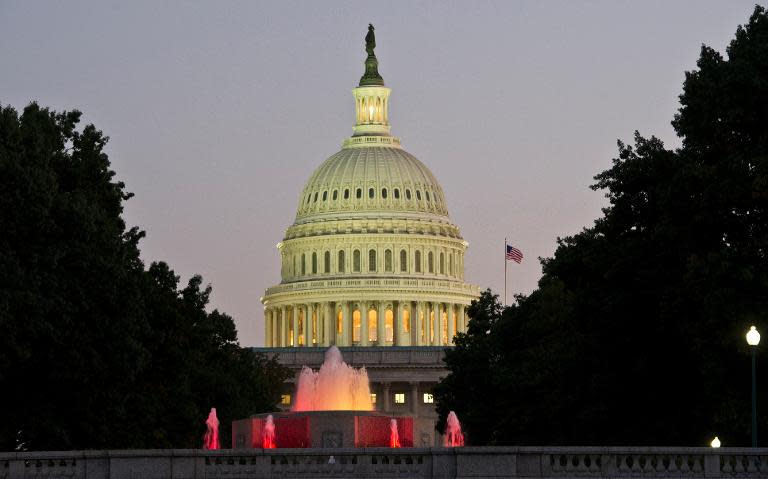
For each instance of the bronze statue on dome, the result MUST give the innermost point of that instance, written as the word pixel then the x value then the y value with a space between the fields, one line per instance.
pixel 370 40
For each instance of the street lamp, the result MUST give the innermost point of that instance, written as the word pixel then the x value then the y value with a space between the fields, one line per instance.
pixel 753 339
pixel 715 442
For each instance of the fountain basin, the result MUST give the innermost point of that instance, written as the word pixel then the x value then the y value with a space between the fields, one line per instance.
pixel 323 429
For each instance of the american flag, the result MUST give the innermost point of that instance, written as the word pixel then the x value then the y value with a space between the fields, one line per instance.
pixel 514 254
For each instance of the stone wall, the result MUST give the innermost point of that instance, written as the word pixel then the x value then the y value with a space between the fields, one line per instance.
pixel 467 462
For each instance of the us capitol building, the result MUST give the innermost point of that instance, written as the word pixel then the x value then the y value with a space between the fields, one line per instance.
pixel 372 264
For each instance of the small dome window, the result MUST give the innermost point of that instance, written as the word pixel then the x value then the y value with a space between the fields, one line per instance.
pixel 359 193
pixel 407 194
pixel 397 194
pixel 384 193
pixel 335 195
pixel 427 193
pixel 309 197
pixel 325 196
pixel 371 192
pixel 346 194
pixel 418 195
pixel 315 200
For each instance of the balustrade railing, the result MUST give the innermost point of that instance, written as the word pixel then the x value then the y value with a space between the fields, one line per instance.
pixel 474 462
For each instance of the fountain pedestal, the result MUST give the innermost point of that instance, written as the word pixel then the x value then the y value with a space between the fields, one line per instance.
pixel 323 429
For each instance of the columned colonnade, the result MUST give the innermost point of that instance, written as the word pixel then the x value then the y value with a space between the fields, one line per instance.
pixel 364 323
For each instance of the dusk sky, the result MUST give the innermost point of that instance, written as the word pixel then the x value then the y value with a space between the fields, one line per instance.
pixel 219 112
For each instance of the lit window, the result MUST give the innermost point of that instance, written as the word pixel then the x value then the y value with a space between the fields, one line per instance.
pixel 373 399
pixel 428 399
pixel 285 399
pixel 399 398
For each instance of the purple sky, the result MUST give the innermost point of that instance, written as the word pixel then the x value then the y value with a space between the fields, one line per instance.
pixel 219 112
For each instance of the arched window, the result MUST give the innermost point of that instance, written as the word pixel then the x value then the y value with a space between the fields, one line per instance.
pixel 325 196
pixel 427 193
pixel 417 262
pixel 442 263
pixel 371 193
pixel 431 262
pixel 372 330
pixel 359 193
pixel 356 323
pixel 403 261
pixel 389 322
pixel 315 200
pixel 397 194
pixel 406 320
pixel 407 194
pixel 346 194
pixel 418 195
pixel 303 264
pixel 384 193
pixel 388 261
pixel 372 260
pixel 335 195
pixel 327 262
pixel 356 261
pixel 314 263
pixel 341 261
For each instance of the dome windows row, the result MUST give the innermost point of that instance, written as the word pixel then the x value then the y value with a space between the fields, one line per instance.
pixel 443 263
pixel 396 193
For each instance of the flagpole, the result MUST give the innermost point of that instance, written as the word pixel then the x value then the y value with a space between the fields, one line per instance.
pixel 505 271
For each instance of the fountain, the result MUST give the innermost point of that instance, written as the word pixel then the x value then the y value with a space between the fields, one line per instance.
pixel 268 434
pixel 453 435
pixel 332 409
pixel 335 387
pixel 211 438
pixel 394 437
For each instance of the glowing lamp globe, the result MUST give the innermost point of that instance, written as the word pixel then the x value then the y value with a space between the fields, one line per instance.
pixel 715 442
pixel 753 337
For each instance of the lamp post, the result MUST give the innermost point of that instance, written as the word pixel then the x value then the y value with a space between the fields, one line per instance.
pixel 753 339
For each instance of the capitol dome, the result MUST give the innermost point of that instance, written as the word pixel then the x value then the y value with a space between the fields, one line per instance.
pixel 372 257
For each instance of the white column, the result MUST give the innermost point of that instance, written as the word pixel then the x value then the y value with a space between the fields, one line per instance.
pixel 414 398
pixel 307 320
pixel 329 321
pixel 385 400
pixel 451 323
pixel 363 323
pixel 381 337
pixel 345 338
pixel 283 327
pixel 295 335
pixel 397 337
pixel 268 328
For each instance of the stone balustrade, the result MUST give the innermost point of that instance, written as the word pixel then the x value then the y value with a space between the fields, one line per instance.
pixel 466 462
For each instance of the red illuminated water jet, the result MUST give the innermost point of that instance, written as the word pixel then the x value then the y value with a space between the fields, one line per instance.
pixel 394 437
pixel 211 438
pixel 268 434
pixel 453 435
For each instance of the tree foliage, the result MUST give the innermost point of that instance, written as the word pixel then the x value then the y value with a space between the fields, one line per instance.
pixel 97 351
pixel 635 334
